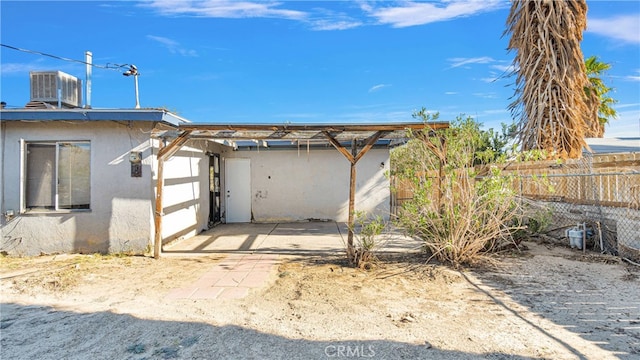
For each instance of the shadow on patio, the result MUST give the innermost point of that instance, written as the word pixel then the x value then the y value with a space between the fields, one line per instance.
pixel 298 238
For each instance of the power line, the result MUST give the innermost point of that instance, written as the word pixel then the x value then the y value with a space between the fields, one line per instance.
pixel 108 66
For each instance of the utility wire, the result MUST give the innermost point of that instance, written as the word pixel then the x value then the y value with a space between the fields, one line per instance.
pixel 108 66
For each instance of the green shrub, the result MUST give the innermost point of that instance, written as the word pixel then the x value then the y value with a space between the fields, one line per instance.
pixel 366 231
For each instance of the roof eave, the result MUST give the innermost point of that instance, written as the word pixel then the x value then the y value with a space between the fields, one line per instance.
pixel 92 115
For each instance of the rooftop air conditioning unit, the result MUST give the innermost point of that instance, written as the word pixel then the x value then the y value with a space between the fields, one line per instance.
pixel 56 88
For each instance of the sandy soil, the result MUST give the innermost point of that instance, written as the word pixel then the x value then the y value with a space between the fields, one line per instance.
pixel 549 302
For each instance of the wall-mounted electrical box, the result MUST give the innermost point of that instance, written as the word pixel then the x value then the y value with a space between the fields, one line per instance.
pixel 135 158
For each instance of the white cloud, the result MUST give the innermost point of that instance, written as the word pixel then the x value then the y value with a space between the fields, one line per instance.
pixel 624 27
pixel 329 19
pixel 628 77
pixel 378 87
pixel 38 65
pixel 173 46
pixel 504 68
pixel 489 95
pixel 623 106
pixel 12 68
pixel 457 62
pixel 490 79
pixel 321 19
pixel 226 9
pixel 633 77
pixel 450 92
pixel 495 111
pixel 494 76
pixel 626 125
pixel 334 25
pixel 419 13
pixel 407 13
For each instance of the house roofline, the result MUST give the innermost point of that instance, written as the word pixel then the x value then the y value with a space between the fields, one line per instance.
pixel 154 115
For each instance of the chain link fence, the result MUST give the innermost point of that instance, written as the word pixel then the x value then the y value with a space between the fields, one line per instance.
pixel 592 203
pixel 589 204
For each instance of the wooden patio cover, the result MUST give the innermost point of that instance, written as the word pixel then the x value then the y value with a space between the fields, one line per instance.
pixel 363 136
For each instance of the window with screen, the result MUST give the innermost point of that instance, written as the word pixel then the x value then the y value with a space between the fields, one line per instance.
pixel 58 176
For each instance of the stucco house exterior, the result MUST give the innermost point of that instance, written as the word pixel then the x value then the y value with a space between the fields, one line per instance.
pixel 78 179
pixel 67 184
pixel 85 180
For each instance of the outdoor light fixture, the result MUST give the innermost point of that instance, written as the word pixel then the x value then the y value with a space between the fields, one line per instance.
pixel 133 71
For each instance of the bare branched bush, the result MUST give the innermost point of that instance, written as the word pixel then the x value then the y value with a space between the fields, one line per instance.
pixel 460 213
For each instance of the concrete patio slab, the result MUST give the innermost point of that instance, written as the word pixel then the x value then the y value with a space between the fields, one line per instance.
pixel 224 238
pixel 299 238
pixel 253 251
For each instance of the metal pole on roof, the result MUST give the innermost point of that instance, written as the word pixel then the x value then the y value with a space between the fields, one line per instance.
pixel 133 71
pixel 135 79
pixel 87 84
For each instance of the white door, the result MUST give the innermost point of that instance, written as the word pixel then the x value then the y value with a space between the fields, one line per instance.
pixel 238 190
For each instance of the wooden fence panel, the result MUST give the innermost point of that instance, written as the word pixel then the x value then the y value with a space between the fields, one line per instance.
pixel 607 179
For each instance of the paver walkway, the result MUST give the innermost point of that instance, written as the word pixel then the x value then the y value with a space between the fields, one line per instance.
pixel 231 278
pixel 253 250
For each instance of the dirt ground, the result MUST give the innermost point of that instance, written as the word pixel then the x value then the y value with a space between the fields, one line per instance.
pixel 548 302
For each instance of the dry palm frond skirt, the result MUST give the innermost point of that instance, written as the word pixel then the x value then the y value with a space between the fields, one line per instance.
pixel 550 100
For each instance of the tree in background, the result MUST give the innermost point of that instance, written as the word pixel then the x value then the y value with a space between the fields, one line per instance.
pixel 550 102
pixel 488 145
pixel 599 100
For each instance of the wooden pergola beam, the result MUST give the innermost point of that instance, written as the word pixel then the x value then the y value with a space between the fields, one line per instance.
pixel 316 127
pixel 174 146
pixel 369 144
pixel 338 146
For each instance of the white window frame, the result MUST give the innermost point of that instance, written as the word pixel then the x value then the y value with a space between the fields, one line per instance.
pixel 23 175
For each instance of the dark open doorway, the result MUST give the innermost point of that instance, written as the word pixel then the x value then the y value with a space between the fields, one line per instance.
pixel 214 189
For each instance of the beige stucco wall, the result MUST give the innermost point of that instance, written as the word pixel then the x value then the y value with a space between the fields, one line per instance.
pixel 292 185
pixel 186 190
pixel 286 185
pixel 120 218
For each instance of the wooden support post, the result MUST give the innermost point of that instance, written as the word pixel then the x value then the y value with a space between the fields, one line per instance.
pixel 157 244
pixel 353 158
pixel 352 200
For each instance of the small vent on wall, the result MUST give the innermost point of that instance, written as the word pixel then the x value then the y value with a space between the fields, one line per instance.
pixel 56 88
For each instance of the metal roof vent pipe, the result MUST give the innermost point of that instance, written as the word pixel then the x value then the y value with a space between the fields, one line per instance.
pixel 87 91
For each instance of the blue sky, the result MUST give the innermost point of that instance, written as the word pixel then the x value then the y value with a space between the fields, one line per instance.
pixel 302 61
